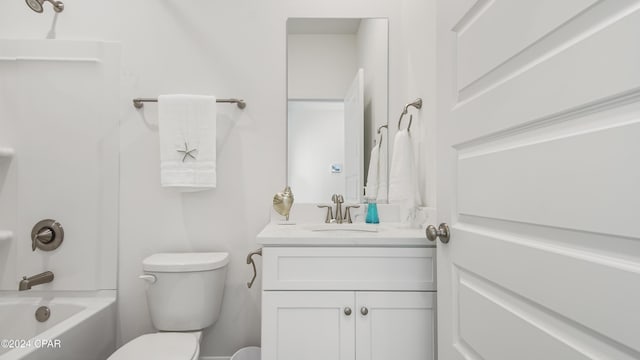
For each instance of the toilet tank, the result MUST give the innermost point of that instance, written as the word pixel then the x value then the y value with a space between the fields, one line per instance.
pixel 185 290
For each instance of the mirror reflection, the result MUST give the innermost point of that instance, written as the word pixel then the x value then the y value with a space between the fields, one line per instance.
pixel 337 72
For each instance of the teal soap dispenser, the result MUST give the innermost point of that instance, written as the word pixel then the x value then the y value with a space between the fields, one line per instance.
pixel 372 211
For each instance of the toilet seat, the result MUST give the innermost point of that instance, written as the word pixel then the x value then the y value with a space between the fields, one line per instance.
pixel 160 346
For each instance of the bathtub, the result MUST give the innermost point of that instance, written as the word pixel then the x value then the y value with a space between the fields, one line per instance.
pixel 81 326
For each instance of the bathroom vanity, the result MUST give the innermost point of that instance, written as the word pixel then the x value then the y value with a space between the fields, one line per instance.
pixel 340 292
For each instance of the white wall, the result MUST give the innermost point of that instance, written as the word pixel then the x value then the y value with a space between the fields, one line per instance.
pixel 416 69
pixel 373 40
pixel 321 66
pixel 230 49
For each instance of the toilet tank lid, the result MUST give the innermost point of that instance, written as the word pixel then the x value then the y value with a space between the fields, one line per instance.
pixel 185 262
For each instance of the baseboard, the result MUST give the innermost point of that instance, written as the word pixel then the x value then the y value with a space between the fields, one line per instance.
pixel 215 358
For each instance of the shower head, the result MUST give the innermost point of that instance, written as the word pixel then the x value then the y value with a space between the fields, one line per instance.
pixel 36 5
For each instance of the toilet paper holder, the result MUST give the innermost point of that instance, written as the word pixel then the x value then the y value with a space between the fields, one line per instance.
pixel 250 262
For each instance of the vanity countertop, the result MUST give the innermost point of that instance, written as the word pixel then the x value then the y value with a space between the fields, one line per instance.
pixel 307 234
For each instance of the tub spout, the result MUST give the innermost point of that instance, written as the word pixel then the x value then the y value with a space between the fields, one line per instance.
pixel 27 283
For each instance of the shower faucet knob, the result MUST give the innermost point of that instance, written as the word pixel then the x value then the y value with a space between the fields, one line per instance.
pixel 46 235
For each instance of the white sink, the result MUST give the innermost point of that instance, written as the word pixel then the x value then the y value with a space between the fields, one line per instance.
pixel 343 227
pixel 359 234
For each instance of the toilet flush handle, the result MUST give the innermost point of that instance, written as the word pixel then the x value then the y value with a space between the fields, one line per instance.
pixel 151 279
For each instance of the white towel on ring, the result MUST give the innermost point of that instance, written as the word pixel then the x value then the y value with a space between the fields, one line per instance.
pixel 403 177
pixel 377 183
pixel 383 173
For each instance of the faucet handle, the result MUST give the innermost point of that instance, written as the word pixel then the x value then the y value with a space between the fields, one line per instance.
pixel 347 212
pixel 329 217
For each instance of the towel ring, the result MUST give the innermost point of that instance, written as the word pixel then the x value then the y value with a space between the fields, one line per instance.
pixel 380 133
pixel 416 104
pixel 410 121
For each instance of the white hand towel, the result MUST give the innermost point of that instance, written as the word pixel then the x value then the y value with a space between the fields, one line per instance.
pixel 371 190
pixel 403 181
pixel 187 129
pixel 383 183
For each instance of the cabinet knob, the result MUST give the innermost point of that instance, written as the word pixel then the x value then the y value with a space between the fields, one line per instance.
pixel 347 311
pixel 364 311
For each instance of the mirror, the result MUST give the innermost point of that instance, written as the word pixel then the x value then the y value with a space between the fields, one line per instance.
pixel 337 97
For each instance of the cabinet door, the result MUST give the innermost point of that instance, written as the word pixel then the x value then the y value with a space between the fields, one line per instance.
pixel 308 325
pixel 395 325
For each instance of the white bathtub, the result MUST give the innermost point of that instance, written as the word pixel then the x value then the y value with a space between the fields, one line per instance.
pixel 82 326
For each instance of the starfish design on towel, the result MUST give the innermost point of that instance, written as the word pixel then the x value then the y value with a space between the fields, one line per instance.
pixel 187 152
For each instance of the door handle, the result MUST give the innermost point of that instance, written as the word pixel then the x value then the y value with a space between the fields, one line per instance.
pixel 441 232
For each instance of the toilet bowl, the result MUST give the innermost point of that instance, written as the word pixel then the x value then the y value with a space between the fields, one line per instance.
pixel 160 346
pixel 184 295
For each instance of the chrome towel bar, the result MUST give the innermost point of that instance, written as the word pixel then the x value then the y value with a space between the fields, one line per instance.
pixel 138 102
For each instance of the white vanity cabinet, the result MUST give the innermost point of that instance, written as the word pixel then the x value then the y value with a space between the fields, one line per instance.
pixel 308 325
pixel 320 325
pixel 363 300
pixel 397 325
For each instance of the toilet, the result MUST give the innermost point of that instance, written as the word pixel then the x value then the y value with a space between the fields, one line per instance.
pixel 184 295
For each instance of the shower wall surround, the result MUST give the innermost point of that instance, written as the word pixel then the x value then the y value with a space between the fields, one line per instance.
pixel 234 48
pixel 58 111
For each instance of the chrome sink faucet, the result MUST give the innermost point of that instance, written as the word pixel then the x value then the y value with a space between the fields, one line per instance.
pixel 338 200
pixel 43 278
pixel 338 219
pixel 329 219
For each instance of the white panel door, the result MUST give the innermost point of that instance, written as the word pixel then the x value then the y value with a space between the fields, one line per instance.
pixel 354 139
pixel 309 325
pixel 538 177
pixel 395 325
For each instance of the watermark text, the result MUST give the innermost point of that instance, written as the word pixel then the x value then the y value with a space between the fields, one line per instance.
pixel 37 343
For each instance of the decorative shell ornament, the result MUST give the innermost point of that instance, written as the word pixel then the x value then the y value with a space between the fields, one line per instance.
pixel 283 201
